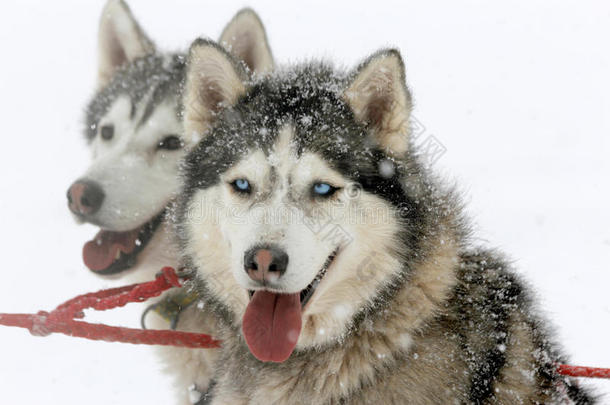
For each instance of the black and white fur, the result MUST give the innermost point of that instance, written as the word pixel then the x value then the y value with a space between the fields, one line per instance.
pixel 139 96
pixel 404 309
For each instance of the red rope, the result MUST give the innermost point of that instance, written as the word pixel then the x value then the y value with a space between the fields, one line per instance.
pixel 62 318
pixel 578 371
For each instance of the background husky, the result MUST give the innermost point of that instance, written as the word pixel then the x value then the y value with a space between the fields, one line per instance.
pixel 340 270
pixel 135 135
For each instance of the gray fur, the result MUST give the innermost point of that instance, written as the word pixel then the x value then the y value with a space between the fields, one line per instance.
pixel 476 339
pixel 156 74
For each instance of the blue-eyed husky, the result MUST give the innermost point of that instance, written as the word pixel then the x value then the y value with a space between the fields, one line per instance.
pixel 134 131
pixel 339 269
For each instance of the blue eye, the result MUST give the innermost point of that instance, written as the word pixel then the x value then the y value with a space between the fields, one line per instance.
pixel 241 185
pixel 323 189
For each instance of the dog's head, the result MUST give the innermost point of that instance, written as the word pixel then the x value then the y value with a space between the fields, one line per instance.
pixel 293 210
pixel 134 132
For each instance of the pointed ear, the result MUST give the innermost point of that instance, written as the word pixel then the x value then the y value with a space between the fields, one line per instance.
pixel 120 40
pixel 214 81
pixel 245 37
pixel 379 98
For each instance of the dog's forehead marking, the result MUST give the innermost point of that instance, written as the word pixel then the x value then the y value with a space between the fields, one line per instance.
pixel 143 109
pixel 283 154
pixel 161 122
pixel 120 111
pixel 135 110
pixel 253 166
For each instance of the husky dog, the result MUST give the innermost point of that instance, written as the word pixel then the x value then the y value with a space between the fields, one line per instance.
pixel 134 131
pixel 339 269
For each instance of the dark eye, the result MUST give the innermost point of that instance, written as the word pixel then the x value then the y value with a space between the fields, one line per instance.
pixel 171 142
pixel 107 132
pixel 323 189
pixel 241 186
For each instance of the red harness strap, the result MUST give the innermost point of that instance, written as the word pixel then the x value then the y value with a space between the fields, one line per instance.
pixel 62 318
pixel 579 371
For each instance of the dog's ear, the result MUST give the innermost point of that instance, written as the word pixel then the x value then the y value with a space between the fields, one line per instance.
pixel 379 98
pixel 120 40
pixel 245 37
pixel 214 81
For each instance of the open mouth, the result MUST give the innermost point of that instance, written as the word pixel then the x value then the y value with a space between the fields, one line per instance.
pixel 272 321
pixel 113 252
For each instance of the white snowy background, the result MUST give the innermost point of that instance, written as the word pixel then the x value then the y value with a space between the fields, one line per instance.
pixel 519 94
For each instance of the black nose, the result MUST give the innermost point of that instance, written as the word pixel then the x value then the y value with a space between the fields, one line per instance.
pixel 85 197
pixel 265 263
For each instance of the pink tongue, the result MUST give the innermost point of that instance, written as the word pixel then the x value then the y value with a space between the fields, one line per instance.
pixel 272 325
pixel 100 253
